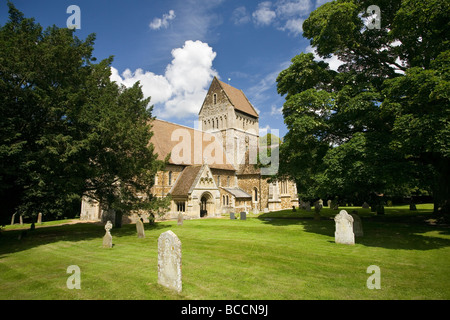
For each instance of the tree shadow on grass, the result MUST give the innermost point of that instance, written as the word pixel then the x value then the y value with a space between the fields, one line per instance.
pixel 407 232
pixel 19 240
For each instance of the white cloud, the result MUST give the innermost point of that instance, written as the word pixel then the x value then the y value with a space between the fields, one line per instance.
pixel 294 26
pixel 285 15
pixel 181 90
pixel 264 15
pixel 276 111
pixel 155 86
pixel 240 16
pixel 163 22
pixel 286 8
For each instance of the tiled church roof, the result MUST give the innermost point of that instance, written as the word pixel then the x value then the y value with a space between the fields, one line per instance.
pixel 162 140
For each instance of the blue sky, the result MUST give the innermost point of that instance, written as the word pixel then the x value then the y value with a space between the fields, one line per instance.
pixel 175 47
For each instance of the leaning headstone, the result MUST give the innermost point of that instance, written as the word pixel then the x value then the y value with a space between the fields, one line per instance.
pixel 365 205
pixel 39 218
pixel 412 207
pixel 243 215
pixel 357 225
pixel 231 215
pixel 344 228
pixel 107 239
pixel 169 261
pixel 180 219
pixel 329 203
pixel 12 219
pixel 140 229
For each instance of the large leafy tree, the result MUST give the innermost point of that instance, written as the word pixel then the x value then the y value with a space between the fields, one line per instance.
pixel 380 124
pixel 66 130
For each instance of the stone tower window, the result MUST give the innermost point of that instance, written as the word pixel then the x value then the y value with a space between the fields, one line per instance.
pixel 215 98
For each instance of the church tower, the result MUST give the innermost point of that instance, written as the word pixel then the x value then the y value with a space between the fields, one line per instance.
pixel 228 114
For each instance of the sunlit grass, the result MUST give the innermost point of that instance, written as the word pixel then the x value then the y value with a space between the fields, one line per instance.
pixel 264 257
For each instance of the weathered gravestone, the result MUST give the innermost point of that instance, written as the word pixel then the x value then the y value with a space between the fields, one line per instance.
pixel 39 218
pixel 344 228
pixel 357 225
pixel 231 215
pixel 365 205
pixel 180 219
pixel 107 239
pixel 169 261
pixel 329 203
pixel 140 229
pixel 318 205
pixel 307 206
pixel 243 215
pixel 12 219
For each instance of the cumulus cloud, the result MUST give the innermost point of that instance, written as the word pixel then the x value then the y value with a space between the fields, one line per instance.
pixel 163 22
pixel 182 88
pixel 264 15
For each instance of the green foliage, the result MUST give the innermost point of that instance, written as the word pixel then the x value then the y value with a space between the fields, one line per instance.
pixel 66 130
pixel 380 124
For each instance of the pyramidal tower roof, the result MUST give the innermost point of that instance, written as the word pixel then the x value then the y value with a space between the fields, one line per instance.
pixel 237 98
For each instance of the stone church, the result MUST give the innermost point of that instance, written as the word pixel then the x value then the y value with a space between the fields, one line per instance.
pixel 212 167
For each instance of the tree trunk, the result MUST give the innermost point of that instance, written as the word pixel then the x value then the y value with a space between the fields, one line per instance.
pixel 441 192
pixel 118 220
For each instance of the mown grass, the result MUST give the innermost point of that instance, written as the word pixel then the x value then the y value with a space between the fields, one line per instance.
pixel 282 255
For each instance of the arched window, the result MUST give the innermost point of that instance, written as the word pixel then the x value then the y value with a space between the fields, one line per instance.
pixel 170 178
pixel 215 98
pixel 228 202
pixel 223 200
pixel 255 195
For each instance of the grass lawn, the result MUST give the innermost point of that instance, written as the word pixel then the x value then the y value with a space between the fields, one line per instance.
pixel 278 255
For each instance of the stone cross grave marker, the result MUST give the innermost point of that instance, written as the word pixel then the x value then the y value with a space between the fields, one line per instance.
pixel 344 228
pixel 107 239
pixel 169 261
pixel 140 229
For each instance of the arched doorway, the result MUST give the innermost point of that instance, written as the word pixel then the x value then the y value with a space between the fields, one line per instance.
pixel 206 204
